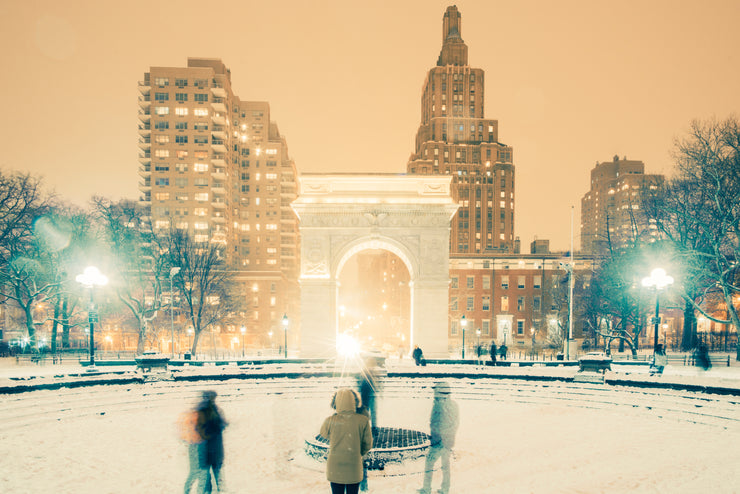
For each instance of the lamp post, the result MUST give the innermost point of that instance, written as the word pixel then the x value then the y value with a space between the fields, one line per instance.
pixel 285 331
pixel 244 331
pixel 658 279
pixel 463 323
pixel 173 273
pixel 89 278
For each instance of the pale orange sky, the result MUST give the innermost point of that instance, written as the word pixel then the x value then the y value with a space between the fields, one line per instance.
pixel 570 82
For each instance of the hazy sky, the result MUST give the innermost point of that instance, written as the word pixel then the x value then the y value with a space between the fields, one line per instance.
pixel 570 82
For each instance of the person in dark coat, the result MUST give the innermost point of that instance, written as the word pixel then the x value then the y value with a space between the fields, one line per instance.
pixel 502 351
pixel 493 353
pixel 417 354
pixel 210 426
pixel 702 357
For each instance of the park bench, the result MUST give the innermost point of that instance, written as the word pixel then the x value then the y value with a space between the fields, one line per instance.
pixel 151 360
pixel 594 362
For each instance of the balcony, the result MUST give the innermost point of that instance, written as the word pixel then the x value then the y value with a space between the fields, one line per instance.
pixel 145 129
pixel 144 87
pixel 218 105
pixel 145 100
pixel 219 132
pixel 145 171
pixel 219 173
pixel 219 203
pixel 218 118
pixel 145 115
pixel 218 90
pixel 145 142
pixel 218 160
pixel 145 185
pixel 145 158
pixel 218 145
pixel 218 188
pixel 218 218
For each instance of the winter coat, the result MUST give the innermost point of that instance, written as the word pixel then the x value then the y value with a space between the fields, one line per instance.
pixel 210 426
pixel 350 438
pixel 660 360
pixel 444 422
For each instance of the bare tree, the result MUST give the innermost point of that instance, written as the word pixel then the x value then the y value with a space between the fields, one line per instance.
pixel 137 259
pixel 699 211
pixel 205 283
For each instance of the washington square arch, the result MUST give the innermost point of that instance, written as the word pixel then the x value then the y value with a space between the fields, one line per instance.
pixel 342 215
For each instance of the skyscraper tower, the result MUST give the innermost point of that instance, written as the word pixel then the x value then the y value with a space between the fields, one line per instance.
pixel 455 139
pixel 611 211
pixel 217 167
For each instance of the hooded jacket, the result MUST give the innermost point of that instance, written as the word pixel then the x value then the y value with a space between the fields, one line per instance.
pixel 350 438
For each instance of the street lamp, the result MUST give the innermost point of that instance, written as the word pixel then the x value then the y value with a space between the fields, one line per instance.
pixel 173 273
pixel 658 279
pixel 244 330
pixel 89 278
pixel 285 331
pixel 463 323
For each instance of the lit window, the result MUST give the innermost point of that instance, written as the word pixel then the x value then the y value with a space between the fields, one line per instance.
pixel 200 167
pixel 162 110
pixel 162 139
pixel 162 224
pixel 162 153
pixel 199 211
pixel 200 238
pixel 181 153
pixel 162 81
pixel 201 196
pixel 200 226
pixel 505 303
pixel 181 111
pixel 200 112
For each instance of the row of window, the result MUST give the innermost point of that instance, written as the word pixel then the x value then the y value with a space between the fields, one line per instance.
pixel 485 304
pixel 486 282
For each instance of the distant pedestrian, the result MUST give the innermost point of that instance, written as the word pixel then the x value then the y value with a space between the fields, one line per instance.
pixel 479 354
pixel 443 425
pixel 702 357
pixel 350 438
pixel 418 355
pixel 492 353
pixel 659 361
pixel 502 351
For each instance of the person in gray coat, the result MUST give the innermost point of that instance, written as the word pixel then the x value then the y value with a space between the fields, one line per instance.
pixel 443 425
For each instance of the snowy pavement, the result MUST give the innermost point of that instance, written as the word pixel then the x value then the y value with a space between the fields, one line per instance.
pixel 516 435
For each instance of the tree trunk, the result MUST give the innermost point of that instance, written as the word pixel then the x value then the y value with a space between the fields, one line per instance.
pixel 28 312
pixel 196 336
pixel 688 337
pixel 54 326
pixel 141 339
pixel 65 322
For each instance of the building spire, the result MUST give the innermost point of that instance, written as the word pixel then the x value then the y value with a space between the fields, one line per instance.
pixel 454 50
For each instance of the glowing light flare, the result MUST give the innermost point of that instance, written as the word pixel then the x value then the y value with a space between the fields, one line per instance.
pixel 91 276
pixel 658 279
pixel 347 345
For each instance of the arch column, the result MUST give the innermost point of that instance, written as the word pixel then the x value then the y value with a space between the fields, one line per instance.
pixel 319 313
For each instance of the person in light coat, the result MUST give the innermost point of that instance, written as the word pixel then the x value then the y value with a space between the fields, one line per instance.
pixel 350 438
pixel 443 425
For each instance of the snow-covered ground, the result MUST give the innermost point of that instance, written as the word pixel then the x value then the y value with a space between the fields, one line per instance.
pixel 516 435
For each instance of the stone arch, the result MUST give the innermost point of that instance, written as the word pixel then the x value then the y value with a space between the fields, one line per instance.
pixel 343 214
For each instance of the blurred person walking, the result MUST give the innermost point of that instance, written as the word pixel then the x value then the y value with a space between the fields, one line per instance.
pixel 443 425
pixel 493 353
pixel 350 438
pixel 660 360
pixel 418 355
pixel 206 447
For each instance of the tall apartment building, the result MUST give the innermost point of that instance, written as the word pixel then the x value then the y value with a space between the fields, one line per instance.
pixel 455 139
pixel 611 211
pixel 217 166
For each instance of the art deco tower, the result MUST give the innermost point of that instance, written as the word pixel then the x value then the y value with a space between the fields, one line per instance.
pixel 455 139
